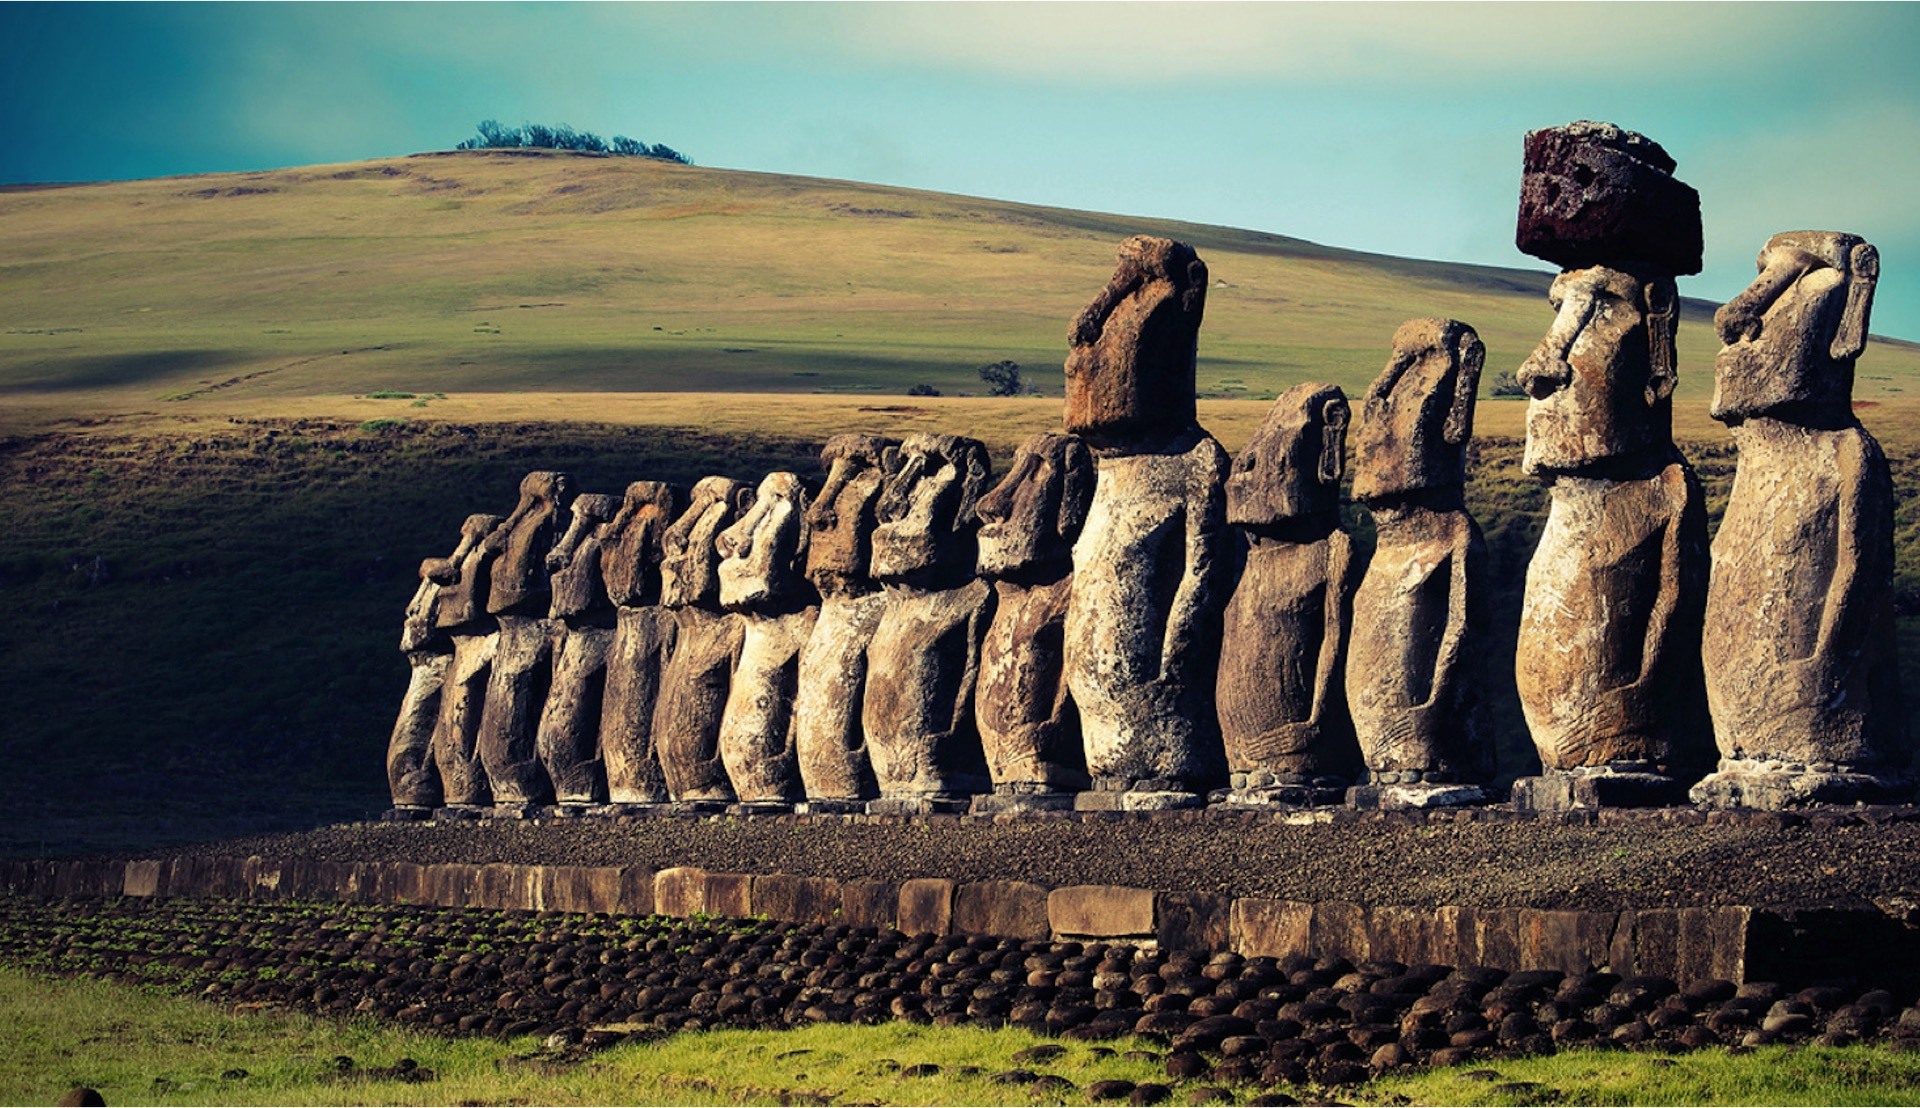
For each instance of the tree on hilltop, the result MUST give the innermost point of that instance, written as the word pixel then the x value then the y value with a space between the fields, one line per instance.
pixel 539 136
pixel 1003 378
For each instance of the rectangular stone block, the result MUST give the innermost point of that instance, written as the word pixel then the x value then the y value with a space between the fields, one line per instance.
pixel 410 883
pixel 680 892
pixel 262 878
pixel 635 897
pixel 142 878
pixel 1271 928
pixel 1656 941
pixel 1194 921
pixel 1339 930
pixel 870 903
pixel 1101 911
pixel 1400 933
pixel 452 883
pixel 797 899
pixel 1013 909
pixel 926 906
pixel 1571 942
pixel 1497 937
pixel 730 895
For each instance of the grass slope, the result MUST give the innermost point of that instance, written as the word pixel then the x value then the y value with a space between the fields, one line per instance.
pixel 490 271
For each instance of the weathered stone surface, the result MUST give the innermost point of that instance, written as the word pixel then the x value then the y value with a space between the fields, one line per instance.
pixel 517 685
pixel 1014 909
pixel 456 732
pixel 1029 726
pixel 1271 928
pixel 412 777
pixel 1143 618
pixel 459 608
pixel 1571 942
pixel 1608 655
pixel 926 906
pixel 520 584
pixel 1279 691
pixel 1194 921
pixel 1413 665
pixel 568 739
pixel 924 659
pixel 799 899
pixel 143 878
pixel 763 555
pixel 464 578
pixel 730 894
pixel 680 891
pixel 1801 664
pixel 1593 193
pixel 1101 911
pixel 691 703
pixel 870 903
pixel 630 554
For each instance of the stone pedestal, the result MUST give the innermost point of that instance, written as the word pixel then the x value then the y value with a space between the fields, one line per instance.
pixel 1421 797
pixel 698 807
pixel 1154 794
pixel 1262 789
pixel 515 811
pixel 759 808
pixel 406 815
pixel 1598 787
pixel 815 807
pixel 1022 797
pixel 459 812
pixel 943 804
pixel 1771 785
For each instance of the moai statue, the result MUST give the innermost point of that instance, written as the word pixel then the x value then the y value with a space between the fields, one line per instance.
pixel 523 656
pixel 1802 673
pixel 1279 691
pixel 1029 727
pixel 568 741
pixel 692 699
pixel 764 554
pixel 1144 617
pixel 1413 675
pixel 1608 662
pixel 461 612
pixel 642 638
pixel 830 741
pixel 412 776
pixel 924 660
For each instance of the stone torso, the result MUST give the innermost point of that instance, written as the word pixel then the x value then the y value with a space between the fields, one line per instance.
pixel 1276 630
pixel 1024 711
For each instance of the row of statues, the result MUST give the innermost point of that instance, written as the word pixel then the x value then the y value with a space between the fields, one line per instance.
pixel 1131 619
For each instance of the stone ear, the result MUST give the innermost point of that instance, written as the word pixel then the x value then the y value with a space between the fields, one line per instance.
pixel 1333 440
pixel 1863 272
pixel 1077 476
pixel 1470 356
pixel 1663 303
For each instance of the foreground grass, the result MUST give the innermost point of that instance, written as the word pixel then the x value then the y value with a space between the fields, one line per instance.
pixel 139 1046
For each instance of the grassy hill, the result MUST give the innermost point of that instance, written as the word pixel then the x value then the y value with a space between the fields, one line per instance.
pixel 493 271
pixel 236 411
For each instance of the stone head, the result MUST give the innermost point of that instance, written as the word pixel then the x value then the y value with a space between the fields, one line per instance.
pixel 1130 374
pixel 763 553
pixel 1600 385
pixel 841 519
pixel 574 563
pixel 630 543
pixel 926 510
pixel 1414 425
pixel 522 542
pixel 1791 338
pixel 463 577
pixel 1292 466
pixel 689 558
pixel 1033 515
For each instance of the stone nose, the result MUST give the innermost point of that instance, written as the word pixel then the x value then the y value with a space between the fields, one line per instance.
pixel 1545 373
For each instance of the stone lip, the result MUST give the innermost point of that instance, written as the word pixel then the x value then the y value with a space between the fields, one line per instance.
pixel 1593 193
pixel 1486 857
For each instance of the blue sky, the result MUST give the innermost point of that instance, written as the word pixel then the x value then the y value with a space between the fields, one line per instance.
pixel 1376 126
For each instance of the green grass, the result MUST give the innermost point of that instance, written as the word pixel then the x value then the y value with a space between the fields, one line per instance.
pixel 141 1046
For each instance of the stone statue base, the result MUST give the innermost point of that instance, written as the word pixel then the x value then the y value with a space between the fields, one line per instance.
pixel 1022 797
pixel 459 812
pixel 1631 785
pixel 569 811
pixel 1395 798
pixel 760 808
pixel 699 807
pixel 935 804
pixel 630 808
pixel 1772 786
pixel 1153 794
pixel 517 811
pixel 830 808
pixel 406 814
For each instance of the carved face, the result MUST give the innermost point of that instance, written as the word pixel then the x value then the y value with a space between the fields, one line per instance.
pixel 1414 426
pixel 840 521
pixel 630 543
pixel 1291 468
pixel 763 551
pixel 1033 515
pixel 1601 382
pixel 520 573
pixel 926 509
pixel 689 562
pixel 1791 338
pixel 1130 375
pixel 574 563
pixel 463 576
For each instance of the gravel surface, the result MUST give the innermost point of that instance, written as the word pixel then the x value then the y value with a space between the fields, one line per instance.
pixel 1674 858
